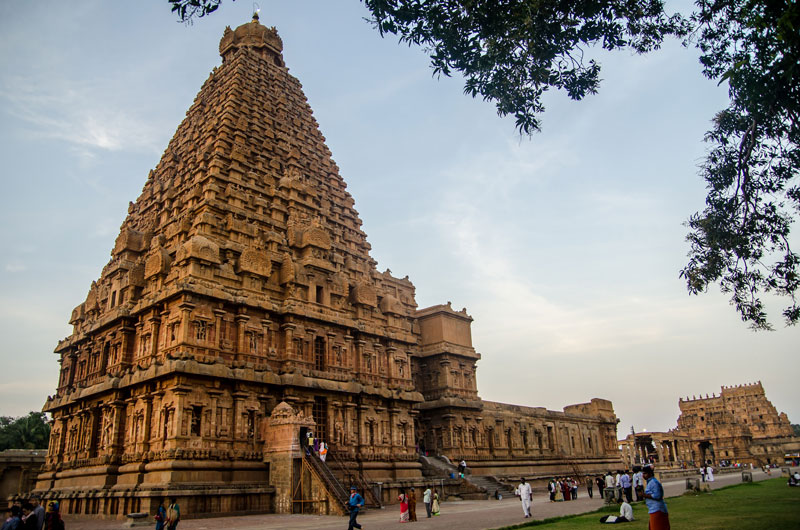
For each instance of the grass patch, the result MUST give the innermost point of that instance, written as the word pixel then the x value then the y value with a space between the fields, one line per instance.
pixel 765 505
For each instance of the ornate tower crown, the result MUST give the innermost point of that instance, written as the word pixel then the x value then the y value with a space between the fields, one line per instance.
pixel 254 35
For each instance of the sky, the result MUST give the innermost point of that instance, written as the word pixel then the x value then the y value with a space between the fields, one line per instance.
pixel 564 247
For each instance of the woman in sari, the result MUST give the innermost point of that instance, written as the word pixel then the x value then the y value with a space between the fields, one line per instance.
pixel 435 507
pixel 565 488
pixel 559 491
pixel 403 506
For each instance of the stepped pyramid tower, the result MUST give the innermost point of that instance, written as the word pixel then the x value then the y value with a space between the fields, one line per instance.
pixel 240 297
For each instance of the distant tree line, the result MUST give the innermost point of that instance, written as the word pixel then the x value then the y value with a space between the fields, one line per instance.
pixel 26 432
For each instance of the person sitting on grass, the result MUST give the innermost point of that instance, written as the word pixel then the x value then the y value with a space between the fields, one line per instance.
pixel 625 515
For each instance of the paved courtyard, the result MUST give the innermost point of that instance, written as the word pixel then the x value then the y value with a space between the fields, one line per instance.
pixel 465 515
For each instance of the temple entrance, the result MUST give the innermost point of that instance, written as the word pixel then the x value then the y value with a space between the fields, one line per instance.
pixel 320 414
pixel 707 455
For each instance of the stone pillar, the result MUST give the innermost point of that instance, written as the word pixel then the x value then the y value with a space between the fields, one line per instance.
pixel 138 341
pixel 358 364
pixel 351 435
pixel 148 420
pixel 391 369
pixel 127 343
pixel 186 322
pixel 218 314
pixel 214 394
pixel 281 448
pixel 393 413
pixel 241 345
pixel 155 329
pixel 361 431
pixel 117 426
pixel 237 432
pixel 288 337
pixel 266 325
pixel 445 377
pixel 348 354
pixel 180 403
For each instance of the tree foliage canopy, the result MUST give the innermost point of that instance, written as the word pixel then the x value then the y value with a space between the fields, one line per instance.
pixel 741 239
pixel 26 432
pixel 511 52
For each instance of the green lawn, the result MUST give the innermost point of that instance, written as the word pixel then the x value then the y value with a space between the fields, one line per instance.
pixel 765 505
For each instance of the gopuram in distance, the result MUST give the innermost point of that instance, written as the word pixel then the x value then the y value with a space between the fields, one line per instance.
pixel 739 426
pixel 241 307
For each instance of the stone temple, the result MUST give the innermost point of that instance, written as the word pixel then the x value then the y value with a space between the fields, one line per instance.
pixel 740 425
pixel 241 305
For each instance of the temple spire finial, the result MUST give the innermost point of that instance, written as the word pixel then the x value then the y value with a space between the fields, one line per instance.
pixel 256 11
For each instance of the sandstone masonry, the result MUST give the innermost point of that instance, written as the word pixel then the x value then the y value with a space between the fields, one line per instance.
pixel 240 281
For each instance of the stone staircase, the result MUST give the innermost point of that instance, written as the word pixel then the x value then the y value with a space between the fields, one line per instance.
pixel 331 483
pixel 441 467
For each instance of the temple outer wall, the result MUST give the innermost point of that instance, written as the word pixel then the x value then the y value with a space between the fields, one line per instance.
pixel 18 471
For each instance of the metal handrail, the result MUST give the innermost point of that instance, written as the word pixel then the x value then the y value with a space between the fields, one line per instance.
pixel 359 479
pixel 328 478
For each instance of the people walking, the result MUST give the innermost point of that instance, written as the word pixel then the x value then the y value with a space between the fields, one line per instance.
pixel 709 473
pixel 29 521
pixel 52 519
pixel 638 483
pixel 589 486
pixel 427 498
pixel 38 510
pixel 626 485
pixel 403 506
pixel 354 503
pixel 526 496
pixel 14 521
pixel 161 515
pixel 412 505
pixel 559 490
pixel 654 499
pixel 173 514
pixel 435 502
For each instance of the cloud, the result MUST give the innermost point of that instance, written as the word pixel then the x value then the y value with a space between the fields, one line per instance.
pixel 80 114
pixel 16 266
pixel 519 295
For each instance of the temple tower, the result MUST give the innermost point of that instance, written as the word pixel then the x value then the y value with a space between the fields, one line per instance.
pixel 240 279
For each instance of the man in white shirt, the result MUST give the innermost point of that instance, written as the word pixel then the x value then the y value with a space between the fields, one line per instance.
pixel 626 511
pixel 609 486
pixel 525 495
pixel 427 499
pixel 638 484
pixel 625 515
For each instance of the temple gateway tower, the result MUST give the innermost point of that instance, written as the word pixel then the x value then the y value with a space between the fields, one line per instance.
pixel 240 298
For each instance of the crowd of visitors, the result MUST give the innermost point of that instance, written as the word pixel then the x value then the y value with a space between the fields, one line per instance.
pixel 408 504
pixel 564 489
pixel 31 515
pixel 167 518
